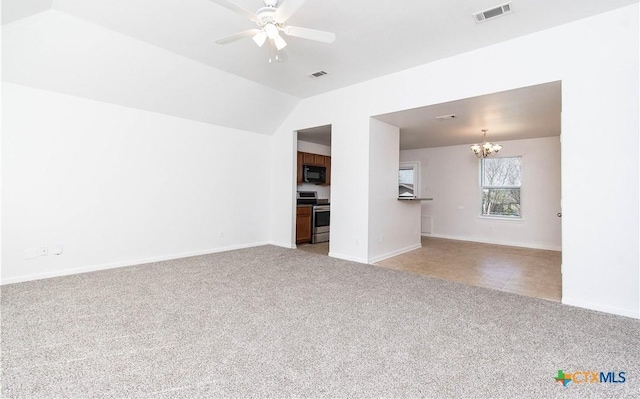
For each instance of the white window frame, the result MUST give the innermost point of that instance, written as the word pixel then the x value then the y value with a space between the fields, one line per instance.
pixel 519 218
pixel 415 165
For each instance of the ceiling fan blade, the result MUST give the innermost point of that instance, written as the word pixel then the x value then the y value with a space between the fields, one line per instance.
pixel 311 34
pixel 287 9
pixel 238 36
pixel 237 9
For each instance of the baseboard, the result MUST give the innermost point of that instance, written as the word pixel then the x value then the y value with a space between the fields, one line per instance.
pixel 114 265
pixel 496 242
pixel 601 308
pixel 283 244
pixel 394 253
pixel 347 257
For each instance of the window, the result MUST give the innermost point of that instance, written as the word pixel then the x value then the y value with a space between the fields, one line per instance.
pixel 501 179
pixel 408 179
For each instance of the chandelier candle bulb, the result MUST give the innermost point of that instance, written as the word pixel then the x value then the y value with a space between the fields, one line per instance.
pixel 486 149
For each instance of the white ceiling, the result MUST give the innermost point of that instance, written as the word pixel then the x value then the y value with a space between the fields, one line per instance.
pixel 57 52
pixel 318 135
pixel 524 113
pixel 374 37
pixel 13 10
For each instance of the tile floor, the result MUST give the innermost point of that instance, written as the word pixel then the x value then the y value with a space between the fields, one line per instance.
pixel 321 248
pixel 529 272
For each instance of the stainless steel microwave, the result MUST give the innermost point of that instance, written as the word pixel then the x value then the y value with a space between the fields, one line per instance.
pixel 314 174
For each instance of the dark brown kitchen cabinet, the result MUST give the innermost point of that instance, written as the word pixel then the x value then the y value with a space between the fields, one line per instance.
pixel 308 159
pixel 327 164
pixel 300 163
pixel 303 224
pixel 305 158
pixel 319 160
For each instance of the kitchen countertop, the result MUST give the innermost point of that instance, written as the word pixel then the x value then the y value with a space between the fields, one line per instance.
pixel 414 199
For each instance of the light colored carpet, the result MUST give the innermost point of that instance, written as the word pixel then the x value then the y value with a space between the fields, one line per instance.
pixel 272 322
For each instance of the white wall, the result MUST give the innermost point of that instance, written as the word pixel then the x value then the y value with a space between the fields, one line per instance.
pixel 394 226
pixel 597 61
pixel 119 186
pixel 450 175
pixel 324 192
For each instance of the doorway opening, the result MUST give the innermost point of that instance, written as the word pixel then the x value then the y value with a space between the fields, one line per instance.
pixel 313 189
pixel 495 221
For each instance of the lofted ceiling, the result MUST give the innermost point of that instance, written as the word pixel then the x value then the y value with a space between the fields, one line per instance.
pixel 374 37
pixel 13 10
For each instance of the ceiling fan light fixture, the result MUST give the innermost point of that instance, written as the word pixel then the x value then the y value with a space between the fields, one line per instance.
pixel 279 42
pixel 259 38
pixel 271 30
pixel 271 20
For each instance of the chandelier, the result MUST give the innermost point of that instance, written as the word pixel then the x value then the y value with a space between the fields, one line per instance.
pixel 485 149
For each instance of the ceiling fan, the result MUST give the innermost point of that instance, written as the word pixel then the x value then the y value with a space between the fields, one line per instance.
pixel 271 21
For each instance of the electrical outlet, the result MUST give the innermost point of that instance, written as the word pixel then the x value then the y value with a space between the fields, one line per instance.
pixel 381 237
pixel 221 233
pixel 58 249
pixel 43 251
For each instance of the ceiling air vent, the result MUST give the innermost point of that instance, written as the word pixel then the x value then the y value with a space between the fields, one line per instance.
pixel 492 12
pixel 317 74
pixel 445 117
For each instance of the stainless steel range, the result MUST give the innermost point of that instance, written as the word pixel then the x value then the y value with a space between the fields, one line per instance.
pixel 320 223
pixel 320 216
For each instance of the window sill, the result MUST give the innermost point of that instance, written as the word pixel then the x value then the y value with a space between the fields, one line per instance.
pixel 500 219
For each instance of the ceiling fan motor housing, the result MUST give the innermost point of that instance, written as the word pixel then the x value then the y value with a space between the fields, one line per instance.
pixel 265 14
